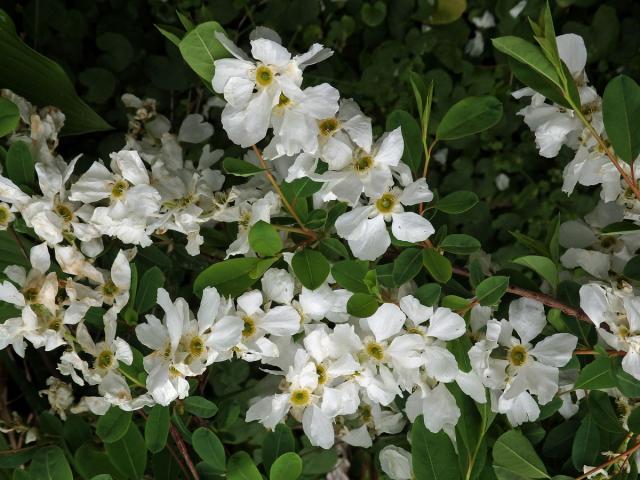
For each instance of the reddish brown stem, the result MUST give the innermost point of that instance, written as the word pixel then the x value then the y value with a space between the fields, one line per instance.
pixel 541 297
pixel 182 448
pixel 623 456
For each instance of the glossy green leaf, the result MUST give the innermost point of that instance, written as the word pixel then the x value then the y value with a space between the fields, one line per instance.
pixel 209 448
pixel 200 406
pixel 113 425
pixel 240 168
pixel 407 265
pixel 287 466
pixel 146 296
pixel 543 266
pixel 596 375
pixel 50 463
pixel 264 239
pixel 411 134
pixel 438 266
pixel 9 116
pixel 514 452
pixel 433 455
pixel 457 202
pixel 230 277
pixel 350 275
pixel 469 116
pixel 428 294
pixel 362 305
pixel 200 48
pixel 621 115
pixel 586 445
pixel 129 454
pixel 43 82
pixel 460 244
pixel 490 290
pixel 276 443
pixel 310 267
pixel 241 467
pixel 20 166
pixel 156 428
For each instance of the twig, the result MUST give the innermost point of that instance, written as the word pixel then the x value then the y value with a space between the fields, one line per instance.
pixel 182 448
pixel 626 454
pixel 292 212
pixel 541 297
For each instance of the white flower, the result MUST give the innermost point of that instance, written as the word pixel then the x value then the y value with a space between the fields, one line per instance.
pixel 620 312
pixel 364 227
pixel 369 170
pixel 253 88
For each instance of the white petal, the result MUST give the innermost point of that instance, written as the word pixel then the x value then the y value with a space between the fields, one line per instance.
pixel 572 51
pixel 269 52
pixel 318 427
pixel 411 227
pixel 209 306
pixel 555 350
pixel 131 166
pixel 527 317
pixel 39 258
pixel 386 322
pixel 373 241
pixel 391 148
pixel 250 302
pixel 416 192
pixel 281 321
pixel 446 325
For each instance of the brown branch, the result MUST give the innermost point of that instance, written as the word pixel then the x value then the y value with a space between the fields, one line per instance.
pixel 540 297
pixel 626 454
pixel 182 448
pixel 270 177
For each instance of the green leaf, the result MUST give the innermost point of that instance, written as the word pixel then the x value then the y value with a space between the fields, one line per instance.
pixel 373 15
pixel 287 467
pixel 241 467
pixel 209 448
pixel 620 228
pixel 632 268
pixel 469 116
pixel 333 249
pixel 603 413
pixel 129 454
pixel 156 428
pixel 596 375
pixel 490 290
pixel 411 134
pixel 264 239
pixel 49 463
pixel 428 294
pixel 113 425
pixel 200 406
pixel 543 266
pixel 438 266
pixel 621 115
pixel 350 275
pixel 460 244
pixel 200 48
pixel 171 33
pixel 15 458
pixel 447 11
pixel 362 305
pixel 433 455
pixel 43 82
pixel 586 445
pixel 628 385
pixel 634 420
pixel 407 265
pixel 457 202
pixel 231 277
pixel 311 268
pixel 146 296
pixel 20 167
pixel 89 461
pixel 529 55
pixel 9 116
pixel 514 452
pixel 300 188
pixel 276 443
pixel 240 168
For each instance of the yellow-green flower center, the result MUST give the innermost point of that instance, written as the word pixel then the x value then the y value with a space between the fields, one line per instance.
pixel 321 370
pixel 5 215
pixel 249 327
pixel 300 397
pixel 362 163
pixel 375 350
pixel 110 289
pixel 64 212
pixel 119 189
pixel 518 355
pixel 264 75
pixel 328 126
pixel 196 347
pixel 386 203
pixel 105 359
pixel 283 100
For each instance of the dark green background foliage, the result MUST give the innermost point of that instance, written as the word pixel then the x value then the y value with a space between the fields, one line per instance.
pixel 111 47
